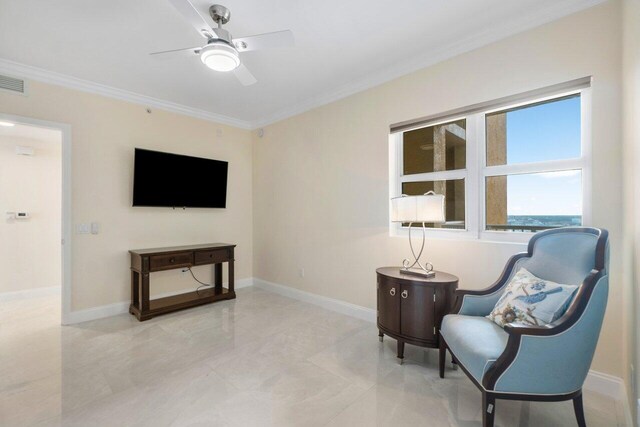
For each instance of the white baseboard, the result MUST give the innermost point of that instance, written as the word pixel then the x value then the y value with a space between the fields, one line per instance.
pixel 611 387
pixel 117 308
pixel 605 384
pixel 94 313
pixel 332 304
pixel 30 293
pixel 614 388
pixel 244 283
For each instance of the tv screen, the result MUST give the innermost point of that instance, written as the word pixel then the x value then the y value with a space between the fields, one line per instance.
pixel 174 180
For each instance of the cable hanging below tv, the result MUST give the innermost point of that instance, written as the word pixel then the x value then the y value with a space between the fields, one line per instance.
pixel 178 181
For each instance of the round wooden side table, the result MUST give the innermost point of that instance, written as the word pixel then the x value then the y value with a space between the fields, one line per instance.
pixel 411 308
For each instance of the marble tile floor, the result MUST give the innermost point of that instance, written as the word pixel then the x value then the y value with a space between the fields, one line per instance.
pixel 261 360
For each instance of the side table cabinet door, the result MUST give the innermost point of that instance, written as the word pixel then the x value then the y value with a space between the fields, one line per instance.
pixel 417 307
pixel 389 305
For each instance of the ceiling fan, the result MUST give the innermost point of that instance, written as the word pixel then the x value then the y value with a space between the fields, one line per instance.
pixel 222 51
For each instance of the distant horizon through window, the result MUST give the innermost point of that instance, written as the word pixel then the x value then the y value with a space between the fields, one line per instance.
pixel 537 133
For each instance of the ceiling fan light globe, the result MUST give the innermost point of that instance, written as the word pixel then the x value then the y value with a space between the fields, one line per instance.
pixel 220 57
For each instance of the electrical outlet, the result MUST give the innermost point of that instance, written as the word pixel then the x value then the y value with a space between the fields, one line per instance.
pixel 301 272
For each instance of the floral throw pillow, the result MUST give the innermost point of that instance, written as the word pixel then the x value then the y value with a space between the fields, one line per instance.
pixel 529 300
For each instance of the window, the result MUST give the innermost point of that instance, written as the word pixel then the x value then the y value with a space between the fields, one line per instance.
pixel 506 170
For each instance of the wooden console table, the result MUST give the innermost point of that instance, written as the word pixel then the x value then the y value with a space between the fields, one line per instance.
pixel 145 261
pixel 411 308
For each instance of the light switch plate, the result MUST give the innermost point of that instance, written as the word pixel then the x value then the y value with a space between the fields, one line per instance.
pixel 95 228
pixel 83 228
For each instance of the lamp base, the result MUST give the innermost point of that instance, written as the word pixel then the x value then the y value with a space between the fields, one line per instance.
pixel 418 272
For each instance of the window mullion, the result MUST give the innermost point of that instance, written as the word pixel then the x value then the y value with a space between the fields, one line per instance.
pixel 537 167
pixel 481 145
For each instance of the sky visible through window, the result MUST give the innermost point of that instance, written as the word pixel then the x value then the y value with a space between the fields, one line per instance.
pixel 543 132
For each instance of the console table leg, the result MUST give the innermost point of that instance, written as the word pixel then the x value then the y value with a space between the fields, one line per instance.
pixel 401 351
pixel 217 277
pixel 144 292
pixel 135 296
pixel 380 335
pixel 231 276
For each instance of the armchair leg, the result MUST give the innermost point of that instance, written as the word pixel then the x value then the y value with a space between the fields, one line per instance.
pixel 578 408
pixel 443 356
pixel 488 409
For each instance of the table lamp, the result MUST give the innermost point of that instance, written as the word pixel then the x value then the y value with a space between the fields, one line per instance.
pixel 428 207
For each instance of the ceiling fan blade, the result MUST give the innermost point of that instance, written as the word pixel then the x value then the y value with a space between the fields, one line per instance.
pixel 193 50
pixel 193 17
pixel 244 75
pixel 273 40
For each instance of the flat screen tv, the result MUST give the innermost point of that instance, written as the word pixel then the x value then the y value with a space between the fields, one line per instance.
pixel 173 180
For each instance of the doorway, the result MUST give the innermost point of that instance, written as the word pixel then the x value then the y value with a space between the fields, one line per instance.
pixel 35 201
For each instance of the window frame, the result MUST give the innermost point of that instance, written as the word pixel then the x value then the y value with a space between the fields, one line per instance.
pixel 477 171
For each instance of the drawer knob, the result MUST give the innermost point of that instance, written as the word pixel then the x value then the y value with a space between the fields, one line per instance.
pixel 392 291
pixel 210 255
pixel 172 260
pixel 404 294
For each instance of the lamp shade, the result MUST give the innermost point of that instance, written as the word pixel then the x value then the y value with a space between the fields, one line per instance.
pixel 428 207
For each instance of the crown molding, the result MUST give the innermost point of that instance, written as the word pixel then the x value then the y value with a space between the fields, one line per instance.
pixel 424 60
pixel 19 70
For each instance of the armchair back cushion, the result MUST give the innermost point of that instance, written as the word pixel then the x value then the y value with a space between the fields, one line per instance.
pixel 563 257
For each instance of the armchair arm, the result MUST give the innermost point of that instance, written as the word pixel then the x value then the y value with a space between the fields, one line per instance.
pixel 553 358
pixel 481 302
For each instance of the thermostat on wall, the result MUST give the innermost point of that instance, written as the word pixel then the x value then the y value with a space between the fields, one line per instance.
pixel 18 215
pixel 22 150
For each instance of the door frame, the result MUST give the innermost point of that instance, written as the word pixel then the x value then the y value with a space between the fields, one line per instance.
pixel 66 225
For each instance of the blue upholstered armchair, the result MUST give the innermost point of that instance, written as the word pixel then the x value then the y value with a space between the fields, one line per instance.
pixel 522 362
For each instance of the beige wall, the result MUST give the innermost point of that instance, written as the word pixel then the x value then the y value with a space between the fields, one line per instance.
pixel 30 249
pixel 321 183
pixel 631 82
pixel 104 134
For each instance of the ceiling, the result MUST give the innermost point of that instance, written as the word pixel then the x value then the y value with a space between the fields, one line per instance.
pixel 342 46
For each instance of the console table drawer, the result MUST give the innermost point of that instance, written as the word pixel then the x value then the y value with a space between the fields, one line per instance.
pixel 166 262
pixel 211 257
